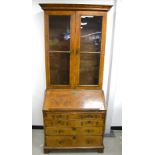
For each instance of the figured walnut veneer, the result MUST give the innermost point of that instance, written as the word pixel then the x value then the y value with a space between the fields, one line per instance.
pixel 74 119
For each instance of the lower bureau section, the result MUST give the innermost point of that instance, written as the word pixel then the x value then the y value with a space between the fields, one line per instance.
pixel 73 141
pixel 74 119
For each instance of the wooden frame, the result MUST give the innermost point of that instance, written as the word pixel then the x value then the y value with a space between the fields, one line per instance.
pixel 92 13
pixel 72 25
pixel 76 7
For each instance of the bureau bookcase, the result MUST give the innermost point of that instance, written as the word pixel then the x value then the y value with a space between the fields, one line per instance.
pixel 74 108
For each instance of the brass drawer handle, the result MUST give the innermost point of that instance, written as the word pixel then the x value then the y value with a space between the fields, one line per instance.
pixel 60 131
pixel 90 116
pixel 81 116
pixel 60 122
pixel 90 131
pixel 61 142
pixel 73 128
pixel 74 137
pixel 89 142
pixel 89 122
pixel 59 116
pixel 97 123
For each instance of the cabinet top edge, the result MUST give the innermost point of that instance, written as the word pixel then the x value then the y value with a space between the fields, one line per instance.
pixel 75 7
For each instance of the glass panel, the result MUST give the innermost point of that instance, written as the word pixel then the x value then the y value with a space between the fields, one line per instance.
pixel 59 33
pixel 59 49
pixel 89 68
pixel 59 68
pixel 90 46
pixel 91 28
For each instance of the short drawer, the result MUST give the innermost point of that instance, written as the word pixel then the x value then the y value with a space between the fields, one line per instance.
pixel 56 115
pixel 86 115
pixel 91 122
pixel 74 131
pixel 68 141
pixel 61 123
pixel 73 123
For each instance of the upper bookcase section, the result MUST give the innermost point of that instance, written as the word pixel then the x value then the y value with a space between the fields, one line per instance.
pixel 75 37
pixel 76 7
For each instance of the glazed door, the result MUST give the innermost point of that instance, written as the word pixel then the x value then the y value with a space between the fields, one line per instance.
pixel 59 32
pixel 90 47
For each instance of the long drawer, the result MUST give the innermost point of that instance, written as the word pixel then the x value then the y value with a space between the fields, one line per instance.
pixel 68 141
pixel 73 115
pixel 73 123
pixel 74 131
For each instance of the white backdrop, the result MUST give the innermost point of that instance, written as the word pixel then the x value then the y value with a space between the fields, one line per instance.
pixel 111 81
pixel 132 80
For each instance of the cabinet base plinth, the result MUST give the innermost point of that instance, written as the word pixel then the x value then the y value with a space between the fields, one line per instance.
pixel 99 149
pixel 46 151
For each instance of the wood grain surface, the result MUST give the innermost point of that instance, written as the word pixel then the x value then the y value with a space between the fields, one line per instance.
pixel 72 99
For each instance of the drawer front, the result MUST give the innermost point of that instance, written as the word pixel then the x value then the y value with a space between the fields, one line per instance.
pixel 56 115
pixel 68 141
pixel 74 131
pixel 62 123
pixel 90 140
pixel 74 115
pixel 93 131
pixel 59 131
pixel 59 141
pixel 74 123
pixel 91 122
pixel 87 115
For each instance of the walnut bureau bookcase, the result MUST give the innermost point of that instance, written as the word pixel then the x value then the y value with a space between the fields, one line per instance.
pixel 74 110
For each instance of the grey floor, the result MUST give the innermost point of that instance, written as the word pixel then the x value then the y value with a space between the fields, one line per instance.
pixel 113 145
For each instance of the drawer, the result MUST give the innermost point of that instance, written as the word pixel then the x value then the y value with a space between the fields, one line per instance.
pixel 56 115
pixel 74 131
pixel 86 115
pixel 74 115
pixel 93 131
pixel 68 141
pixel 91 122
pixel 74 123
pixel 61 123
